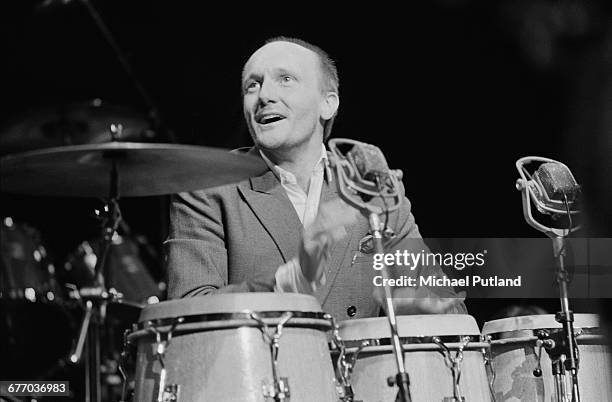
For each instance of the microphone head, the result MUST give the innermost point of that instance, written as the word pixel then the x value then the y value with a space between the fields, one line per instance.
pixel 369 161
pixel 557 181
pixel 553 182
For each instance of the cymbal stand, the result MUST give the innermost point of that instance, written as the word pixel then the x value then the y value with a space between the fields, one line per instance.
pixel 96 298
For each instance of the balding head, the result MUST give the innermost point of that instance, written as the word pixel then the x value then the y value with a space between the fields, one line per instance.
pixel 327 73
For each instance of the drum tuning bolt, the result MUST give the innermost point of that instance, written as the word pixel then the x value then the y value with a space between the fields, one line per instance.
pixel 344 366
pixel 166 392
pixel 278 390
pixel 455 366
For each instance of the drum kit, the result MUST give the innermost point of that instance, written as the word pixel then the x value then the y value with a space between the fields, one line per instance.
pixel 237 347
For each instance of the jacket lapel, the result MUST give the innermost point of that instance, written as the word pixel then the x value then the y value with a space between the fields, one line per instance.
pixel 339 250
pixel 270 204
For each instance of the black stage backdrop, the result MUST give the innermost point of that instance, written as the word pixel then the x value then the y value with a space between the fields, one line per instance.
pixel 452 91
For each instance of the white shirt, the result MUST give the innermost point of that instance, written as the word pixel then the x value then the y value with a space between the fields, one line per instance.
pixel 289 277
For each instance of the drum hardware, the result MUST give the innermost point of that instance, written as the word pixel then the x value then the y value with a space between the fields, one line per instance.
pixel 278 390
pixel 454 363
pixel 553 190
pixel 97 297
pixel 127 274
pixel 123 358
pixel 344 367
pixel 555 344
pixel 165 392
pixel 357 186
pixel 543 342
pixel 488 362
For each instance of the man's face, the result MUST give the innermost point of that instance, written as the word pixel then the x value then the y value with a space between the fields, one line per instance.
pixel 282 96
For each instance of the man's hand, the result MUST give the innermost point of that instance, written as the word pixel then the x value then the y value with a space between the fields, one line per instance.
pixel 421 300
pixel 318 238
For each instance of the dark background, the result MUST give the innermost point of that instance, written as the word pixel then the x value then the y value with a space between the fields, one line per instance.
pixel 452 91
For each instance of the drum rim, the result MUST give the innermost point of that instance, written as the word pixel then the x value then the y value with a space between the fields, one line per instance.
pixel 413 340
pixel 530 334
pixel 230 303
pixel 224 317
pixel 536 322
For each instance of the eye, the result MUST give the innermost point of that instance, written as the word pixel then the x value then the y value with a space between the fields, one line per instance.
pixel 251 86
pixel 287 79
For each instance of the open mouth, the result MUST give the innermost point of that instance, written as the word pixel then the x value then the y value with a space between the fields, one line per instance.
pixel 269 118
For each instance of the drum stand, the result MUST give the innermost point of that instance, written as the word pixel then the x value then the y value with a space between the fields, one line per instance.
pixel 560 346
pixel 96 298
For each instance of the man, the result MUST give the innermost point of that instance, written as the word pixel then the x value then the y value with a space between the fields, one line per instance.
pixel 286 230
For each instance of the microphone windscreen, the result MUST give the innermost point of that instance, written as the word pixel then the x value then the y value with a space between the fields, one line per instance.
pixel 556 180
pixel 369 160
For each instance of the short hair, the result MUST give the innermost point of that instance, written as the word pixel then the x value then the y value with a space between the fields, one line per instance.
pixel 329 73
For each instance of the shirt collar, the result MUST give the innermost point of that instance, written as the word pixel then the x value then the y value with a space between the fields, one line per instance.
pixel 287 177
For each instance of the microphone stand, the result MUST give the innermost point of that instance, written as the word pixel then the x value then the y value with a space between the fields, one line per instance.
pixel 563 350
pixel 346 185
pixel 401 378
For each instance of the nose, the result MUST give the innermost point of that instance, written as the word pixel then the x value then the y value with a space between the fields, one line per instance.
pixel 268 92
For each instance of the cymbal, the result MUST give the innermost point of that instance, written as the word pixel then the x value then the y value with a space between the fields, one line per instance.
pixel 143 169
pixel 73 124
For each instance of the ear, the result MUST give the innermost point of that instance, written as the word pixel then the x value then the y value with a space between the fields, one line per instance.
pixel 329 105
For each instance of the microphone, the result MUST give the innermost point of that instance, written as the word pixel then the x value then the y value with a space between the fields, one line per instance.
pixel 363 174
pixel 556 186
pixel 552 189
pixel 369 161
pixel 552 186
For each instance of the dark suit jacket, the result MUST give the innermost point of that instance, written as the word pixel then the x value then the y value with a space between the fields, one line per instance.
pixel 233 238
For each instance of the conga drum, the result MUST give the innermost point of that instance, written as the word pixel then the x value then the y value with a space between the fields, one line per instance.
pixel 515 350
pixel 234 347
pixel 443 354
